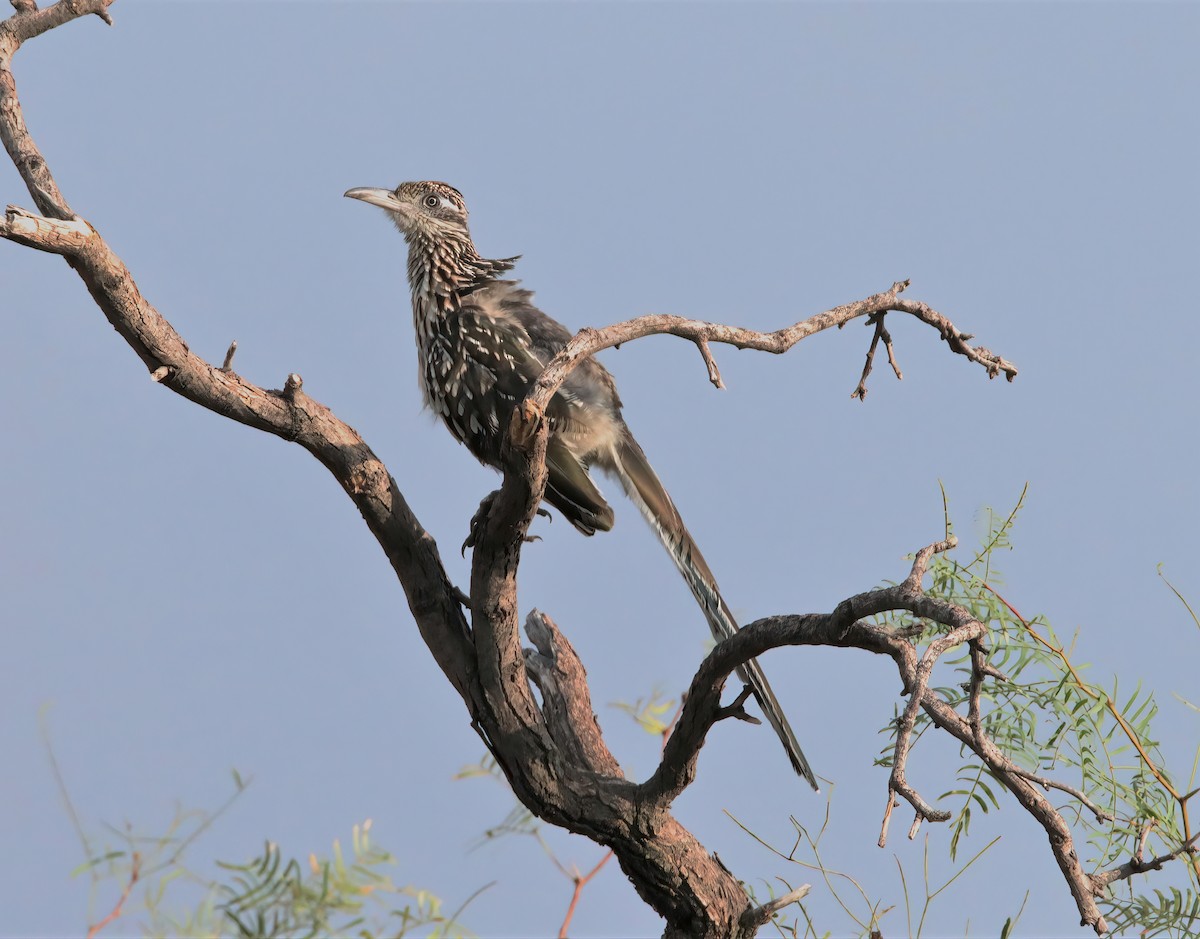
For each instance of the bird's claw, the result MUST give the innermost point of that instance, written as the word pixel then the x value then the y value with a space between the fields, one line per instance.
pixel 477 522
pixel 545 513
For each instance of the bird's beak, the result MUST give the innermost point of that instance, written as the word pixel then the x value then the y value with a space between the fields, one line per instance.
pixel 384 198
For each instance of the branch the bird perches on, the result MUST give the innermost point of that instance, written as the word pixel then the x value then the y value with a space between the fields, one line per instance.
pixel 552 751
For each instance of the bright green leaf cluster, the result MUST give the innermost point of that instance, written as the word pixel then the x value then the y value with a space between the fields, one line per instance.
pixel 1054 724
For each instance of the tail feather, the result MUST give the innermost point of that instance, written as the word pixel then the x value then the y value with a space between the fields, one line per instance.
pixel 643 486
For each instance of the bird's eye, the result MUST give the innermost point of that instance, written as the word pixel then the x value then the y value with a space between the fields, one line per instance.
pixel 431 201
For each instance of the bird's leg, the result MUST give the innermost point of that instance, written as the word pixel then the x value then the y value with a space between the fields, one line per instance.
pixel 480 517
pixel 477 521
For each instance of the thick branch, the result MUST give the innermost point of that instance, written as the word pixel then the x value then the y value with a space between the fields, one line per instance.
pixel 566 700
pixel 289 414
pixel 32 22
pixel 670 869
pixel 553 754
pixel 25 24
pixel 293 416
pixel 846 626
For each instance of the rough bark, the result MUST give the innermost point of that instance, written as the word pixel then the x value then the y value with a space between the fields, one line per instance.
pixel 552 753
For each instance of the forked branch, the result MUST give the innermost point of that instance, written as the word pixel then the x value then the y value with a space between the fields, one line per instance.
pixel 551 750
pixel 588 342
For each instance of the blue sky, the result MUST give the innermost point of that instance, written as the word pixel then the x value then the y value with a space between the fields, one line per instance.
pixel 187 595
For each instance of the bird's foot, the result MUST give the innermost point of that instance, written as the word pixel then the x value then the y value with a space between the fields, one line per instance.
pixel 480 518
pixel 545 513
pixel 477 521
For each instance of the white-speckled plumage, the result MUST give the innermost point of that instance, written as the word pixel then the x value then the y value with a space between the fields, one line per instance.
pixel 481 343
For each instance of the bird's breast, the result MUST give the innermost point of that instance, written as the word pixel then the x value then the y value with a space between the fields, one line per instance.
pixel 468 380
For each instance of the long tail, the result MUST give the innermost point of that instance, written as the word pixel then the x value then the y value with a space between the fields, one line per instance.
pixel 646 490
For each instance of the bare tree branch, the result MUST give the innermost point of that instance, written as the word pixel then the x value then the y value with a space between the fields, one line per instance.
pixel 552 751
pixel 590 341
pixel 566 701
pixel 881 332
pixel 756 917
pixel 294 417
pixel 1138 865
pixel 27 23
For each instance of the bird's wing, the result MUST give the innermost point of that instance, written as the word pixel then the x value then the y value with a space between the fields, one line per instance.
pixel 570 489
pixel 520 341
pixel 586 426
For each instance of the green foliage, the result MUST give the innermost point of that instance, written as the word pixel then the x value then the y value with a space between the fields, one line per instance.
pixel 1095 738
pixel 865 912
pixel 518 821
pixel 276 899
pixel 656 714
pixel 267 897
pixel 1171 913
pixel 153 864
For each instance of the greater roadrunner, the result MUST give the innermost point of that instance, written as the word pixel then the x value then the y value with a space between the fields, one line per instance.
pixel 481 343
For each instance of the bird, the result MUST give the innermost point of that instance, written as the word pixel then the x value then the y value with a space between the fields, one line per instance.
pixel 481 344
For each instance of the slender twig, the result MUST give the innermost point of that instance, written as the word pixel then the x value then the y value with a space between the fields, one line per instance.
pixel 580 883
pixel 714 374
pixel 876 320
pixel 892 802
pixel 93 931
pixel 1137 865
pixel 891 350
pixel 1111 706
pixel 1047 783
pixel 207 821
pixel 445 930
pixel 737 708
pixel 754 918
pixel 63 792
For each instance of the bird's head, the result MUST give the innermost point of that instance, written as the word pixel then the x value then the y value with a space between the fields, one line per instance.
pixel 432 216
pixel 425 211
